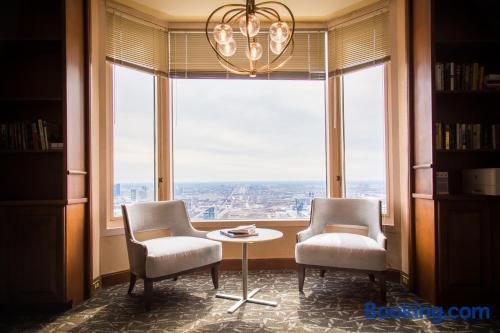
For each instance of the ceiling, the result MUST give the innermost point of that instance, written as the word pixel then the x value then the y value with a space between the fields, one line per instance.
pixel 198 10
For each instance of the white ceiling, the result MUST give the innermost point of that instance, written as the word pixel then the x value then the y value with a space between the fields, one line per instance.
pixel 198 10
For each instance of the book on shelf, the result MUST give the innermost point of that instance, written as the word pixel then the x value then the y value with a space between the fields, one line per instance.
pixel 36 135
pixel 451 76
pixel 462 136
pixel 492 81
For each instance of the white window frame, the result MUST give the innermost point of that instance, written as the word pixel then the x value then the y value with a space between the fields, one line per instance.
pixel 329 147
pixel 388 216
pixel 164 152
pixel 116 222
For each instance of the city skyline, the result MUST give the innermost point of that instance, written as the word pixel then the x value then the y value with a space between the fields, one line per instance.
pixel 245 200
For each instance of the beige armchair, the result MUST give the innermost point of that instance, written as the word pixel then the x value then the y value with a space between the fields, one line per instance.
pixel 186 250
pixel 343 251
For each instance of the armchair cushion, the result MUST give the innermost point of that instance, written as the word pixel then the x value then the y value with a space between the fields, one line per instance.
pixel 169 255
pixel 341 250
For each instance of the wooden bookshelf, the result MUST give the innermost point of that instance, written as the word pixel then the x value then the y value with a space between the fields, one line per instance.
pixel 43 208
pixel 455 236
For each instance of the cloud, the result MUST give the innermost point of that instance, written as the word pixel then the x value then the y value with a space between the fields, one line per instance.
pixel 226 130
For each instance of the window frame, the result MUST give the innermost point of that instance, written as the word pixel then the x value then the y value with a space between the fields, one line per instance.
pixel 114 222
pixel 164 152
pixel 389 214
pixel 262 222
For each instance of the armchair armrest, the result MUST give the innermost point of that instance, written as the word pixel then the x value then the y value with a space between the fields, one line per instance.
pixel 198 233
pixel 382 240
pixel 305 234
pixel 137 253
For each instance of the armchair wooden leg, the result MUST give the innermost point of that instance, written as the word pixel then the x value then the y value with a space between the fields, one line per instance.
pixel 322 273
pixel 302 276
pixel 148 293
pixel 372 277
pixel 175 278
pixel 383 287
pixel 133 278
pixel 215 275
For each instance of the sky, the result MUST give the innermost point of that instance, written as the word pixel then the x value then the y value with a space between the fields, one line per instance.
pixel 364 125
pixel 246 130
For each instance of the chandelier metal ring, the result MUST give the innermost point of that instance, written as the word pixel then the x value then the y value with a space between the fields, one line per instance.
pixel 248 16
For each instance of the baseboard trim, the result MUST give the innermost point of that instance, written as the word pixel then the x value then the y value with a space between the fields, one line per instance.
pixel 393 275
pixel 95 285
pixel 405 280
pixel 111 279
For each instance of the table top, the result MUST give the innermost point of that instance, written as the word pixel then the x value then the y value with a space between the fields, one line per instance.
pixel 263 235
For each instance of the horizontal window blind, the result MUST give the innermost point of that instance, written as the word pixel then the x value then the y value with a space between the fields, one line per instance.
pixel 363 42
pixel 136 43
pixel 190 56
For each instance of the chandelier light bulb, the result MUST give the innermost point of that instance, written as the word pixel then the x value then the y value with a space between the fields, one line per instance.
pixel 265 50
pixel 253 25
pixel 255 52
pixel 276 48
pixel 279 32
pixel 228 49
pixel 223 33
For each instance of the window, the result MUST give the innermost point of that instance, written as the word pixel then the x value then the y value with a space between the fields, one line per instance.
pixel 365 153
pixel 133 137
pixel 248 149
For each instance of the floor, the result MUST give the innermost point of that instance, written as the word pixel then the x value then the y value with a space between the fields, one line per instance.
pixel 334 303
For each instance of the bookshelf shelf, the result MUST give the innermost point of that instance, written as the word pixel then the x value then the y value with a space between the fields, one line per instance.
pixel 468 43
pixel 31 100
pixel 50 151
pixel 43 101
pixel 461 151
pixel 468 93
pixel 454 104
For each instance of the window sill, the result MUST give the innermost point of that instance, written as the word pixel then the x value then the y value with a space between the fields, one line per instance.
pixel 116 228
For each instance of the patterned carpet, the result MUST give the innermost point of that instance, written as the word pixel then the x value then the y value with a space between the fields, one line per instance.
pixel 334 303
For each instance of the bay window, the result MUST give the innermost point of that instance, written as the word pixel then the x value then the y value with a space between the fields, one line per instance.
pixel 240 149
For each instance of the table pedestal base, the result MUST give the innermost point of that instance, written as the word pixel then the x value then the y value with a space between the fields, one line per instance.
pixel 246 297
pixel 242 300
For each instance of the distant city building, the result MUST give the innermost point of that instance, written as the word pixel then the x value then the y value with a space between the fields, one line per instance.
pixel 209 213
pixel 117 190
pixel 133 195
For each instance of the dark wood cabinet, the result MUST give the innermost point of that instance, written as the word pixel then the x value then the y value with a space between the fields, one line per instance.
pixel 35 240
pixel 454 236
pixel 464 250
pixel 44 196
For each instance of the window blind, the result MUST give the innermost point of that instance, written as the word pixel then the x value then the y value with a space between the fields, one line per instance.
pixel 360 43
pixel 136 43
pixel 190 56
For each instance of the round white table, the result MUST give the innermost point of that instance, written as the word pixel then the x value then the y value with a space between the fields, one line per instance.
pixel 263 235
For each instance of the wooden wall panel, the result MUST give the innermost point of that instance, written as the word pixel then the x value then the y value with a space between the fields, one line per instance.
pixel 75 83
pixel 425 250
pixel 464 246
pixel 422 152
pixel 75 247
pixel 34 238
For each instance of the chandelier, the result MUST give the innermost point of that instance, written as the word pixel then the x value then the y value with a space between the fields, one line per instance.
pixel 247 17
